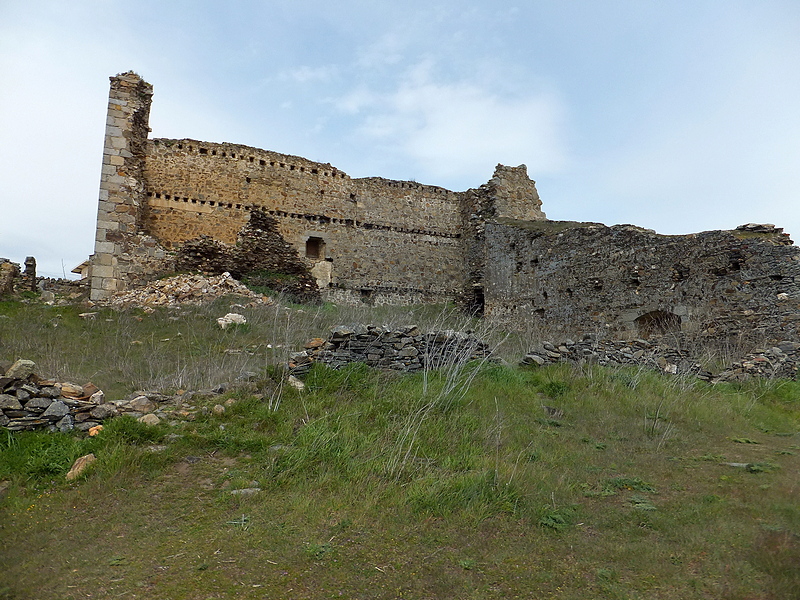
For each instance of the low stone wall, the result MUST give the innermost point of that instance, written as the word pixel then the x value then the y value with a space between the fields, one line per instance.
pixel 781 360
pixel 403 348
pixel 29 402
pixel 614 353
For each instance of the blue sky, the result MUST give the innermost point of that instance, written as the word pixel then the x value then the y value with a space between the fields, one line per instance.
pixel 679 116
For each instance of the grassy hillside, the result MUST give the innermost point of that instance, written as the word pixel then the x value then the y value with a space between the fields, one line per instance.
pixel 450 484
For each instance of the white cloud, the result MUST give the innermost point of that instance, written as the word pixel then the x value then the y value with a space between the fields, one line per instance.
pixel 455 130
pixel 306 74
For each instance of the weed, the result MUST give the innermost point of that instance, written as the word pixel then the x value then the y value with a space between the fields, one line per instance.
pixel 761 467
pixel 557 518
pixel 641 503
pixel 555 389
pixel 318 551
pixel 627 483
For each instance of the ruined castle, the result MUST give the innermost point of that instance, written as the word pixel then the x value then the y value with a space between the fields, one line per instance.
pixel 165 204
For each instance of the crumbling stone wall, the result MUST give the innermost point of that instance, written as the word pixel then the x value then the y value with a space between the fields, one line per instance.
pixel 631 281
pixel 260 256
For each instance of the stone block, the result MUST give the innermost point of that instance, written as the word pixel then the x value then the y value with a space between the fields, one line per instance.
pixel 110 285
pixel 105 259
pixel 103 271
pixel 108 225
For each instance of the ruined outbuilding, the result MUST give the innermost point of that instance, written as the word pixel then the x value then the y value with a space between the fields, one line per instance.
pixel 177 204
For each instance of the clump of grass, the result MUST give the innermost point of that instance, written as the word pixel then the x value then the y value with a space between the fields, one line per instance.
pixel 777 554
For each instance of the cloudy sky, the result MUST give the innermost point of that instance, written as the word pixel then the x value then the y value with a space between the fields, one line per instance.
pixel 679 116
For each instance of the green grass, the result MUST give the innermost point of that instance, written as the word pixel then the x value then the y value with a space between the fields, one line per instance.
pixel 435 485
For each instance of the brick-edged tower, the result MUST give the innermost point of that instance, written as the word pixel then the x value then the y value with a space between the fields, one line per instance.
pixel 122 193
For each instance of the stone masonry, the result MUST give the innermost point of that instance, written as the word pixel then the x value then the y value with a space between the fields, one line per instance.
pixel 377 241
pixel 368 239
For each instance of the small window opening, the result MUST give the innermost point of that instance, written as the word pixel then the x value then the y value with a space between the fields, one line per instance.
pixel 477 303
pixel 203 150
pixel 315 247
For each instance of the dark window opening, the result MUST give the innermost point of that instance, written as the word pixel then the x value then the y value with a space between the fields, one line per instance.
pixel 247 179
pixel 477 302
pixel 658 322
pixel 315 247
pixel 263 163
pixel 203 150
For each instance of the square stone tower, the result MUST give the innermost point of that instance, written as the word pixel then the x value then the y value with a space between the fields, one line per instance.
pixel 122 191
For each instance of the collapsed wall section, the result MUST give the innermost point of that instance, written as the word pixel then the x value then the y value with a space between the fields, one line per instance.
pixel 629 280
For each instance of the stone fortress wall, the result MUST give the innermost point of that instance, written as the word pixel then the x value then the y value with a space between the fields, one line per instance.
pixel 379 241
pixel 368 234
pixel 363 239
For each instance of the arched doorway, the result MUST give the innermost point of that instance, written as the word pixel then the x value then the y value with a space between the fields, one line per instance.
pixel 657 322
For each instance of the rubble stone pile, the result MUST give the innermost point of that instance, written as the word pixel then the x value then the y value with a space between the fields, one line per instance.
pixel 402 348
pixel 781 360
pixel 185 289
pixel 614 353
pixel 28 401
